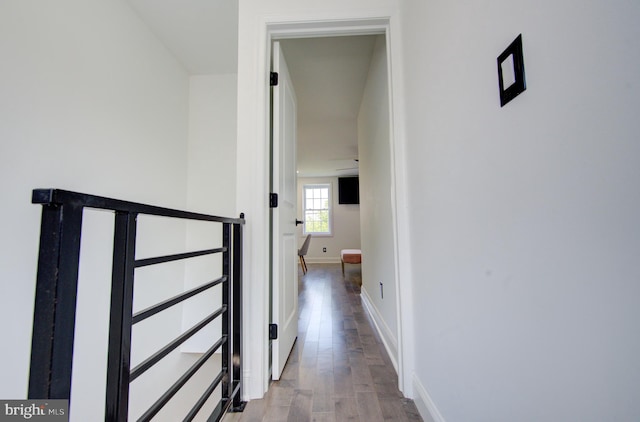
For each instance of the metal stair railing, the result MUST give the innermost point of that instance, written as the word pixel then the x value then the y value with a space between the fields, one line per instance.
pixel 56 295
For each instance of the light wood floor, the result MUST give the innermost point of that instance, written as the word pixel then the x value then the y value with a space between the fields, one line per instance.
pixel 338 369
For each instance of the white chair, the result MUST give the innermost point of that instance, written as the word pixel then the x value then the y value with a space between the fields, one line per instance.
pixel 302 252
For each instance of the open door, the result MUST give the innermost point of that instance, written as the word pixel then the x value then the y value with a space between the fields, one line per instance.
pixel 284 278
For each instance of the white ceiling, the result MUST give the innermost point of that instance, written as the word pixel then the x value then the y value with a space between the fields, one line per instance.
pixel 202 34
pixel 328 74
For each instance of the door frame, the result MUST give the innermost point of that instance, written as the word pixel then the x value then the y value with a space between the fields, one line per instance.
pixel 256 377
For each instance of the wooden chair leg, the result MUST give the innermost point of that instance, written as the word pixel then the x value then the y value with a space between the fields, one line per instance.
pixel 303 264
pixel 342 268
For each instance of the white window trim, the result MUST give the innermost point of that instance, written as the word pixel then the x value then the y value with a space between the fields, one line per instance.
pixel 304 208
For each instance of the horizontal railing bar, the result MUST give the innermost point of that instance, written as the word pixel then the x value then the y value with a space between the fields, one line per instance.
pixel 205 396
pixel 59 196
pixel 219 410
pixel 159 404
pixel 223 405
pixel 159 307
pixel 155 358
pixel 176 257
pixel 236 389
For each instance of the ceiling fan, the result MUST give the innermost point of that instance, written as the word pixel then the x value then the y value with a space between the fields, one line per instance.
pixel 351 168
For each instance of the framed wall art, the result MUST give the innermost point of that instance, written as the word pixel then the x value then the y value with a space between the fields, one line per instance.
pixel 511 72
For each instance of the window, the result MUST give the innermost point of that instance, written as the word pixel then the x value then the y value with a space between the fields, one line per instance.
pixel 317 209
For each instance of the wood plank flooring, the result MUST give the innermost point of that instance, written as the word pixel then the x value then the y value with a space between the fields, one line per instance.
pixel 338 369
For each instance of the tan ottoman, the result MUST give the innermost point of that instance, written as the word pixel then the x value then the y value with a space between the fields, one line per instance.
pixel 350 256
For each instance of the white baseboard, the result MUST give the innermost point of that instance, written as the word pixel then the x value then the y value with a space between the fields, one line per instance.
pixel 322 260
pixel 388 339
pixel 425 405
pixel 246 379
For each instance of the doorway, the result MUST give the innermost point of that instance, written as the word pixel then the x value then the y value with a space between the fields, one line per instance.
pixel 333 127
pixel 258 30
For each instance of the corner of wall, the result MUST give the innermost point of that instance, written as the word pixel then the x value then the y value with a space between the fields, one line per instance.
pixel 426 406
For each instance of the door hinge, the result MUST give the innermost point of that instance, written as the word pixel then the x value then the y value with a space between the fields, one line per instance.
pixel 273 79
pixel 273 200
pixel 273 331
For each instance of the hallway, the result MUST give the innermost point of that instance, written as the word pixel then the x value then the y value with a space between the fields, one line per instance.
pixel 338 369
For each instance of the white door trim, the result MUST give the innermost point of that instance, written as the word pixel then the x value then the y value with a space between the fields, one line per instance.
pixel 255 166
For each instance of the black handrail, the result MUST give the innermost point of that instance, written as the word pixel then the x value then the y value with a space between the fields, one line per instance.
pixel 56 294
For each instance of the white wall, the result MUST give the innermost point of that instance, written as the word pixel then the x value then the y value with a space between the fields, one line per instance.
pixel 91 101
pixel 212 144
pixel 211 190
pixel 346 225
pixel 374 147
pixel 82 110
pixel 525 217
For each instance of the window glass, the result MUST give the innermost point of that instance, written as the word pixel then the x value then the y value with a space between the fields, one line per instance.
pixel 317 209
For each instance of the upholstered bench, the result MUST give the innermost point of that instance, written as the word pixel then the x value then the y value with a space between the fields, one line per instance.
pixel 350 256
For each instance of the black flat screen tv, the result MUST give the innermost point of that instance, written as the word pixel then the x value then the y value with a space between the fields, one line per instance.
pixel 348 190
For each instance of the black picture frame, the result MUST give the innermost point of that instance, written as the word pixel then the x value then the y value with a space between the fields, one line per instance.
pixel 518 84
